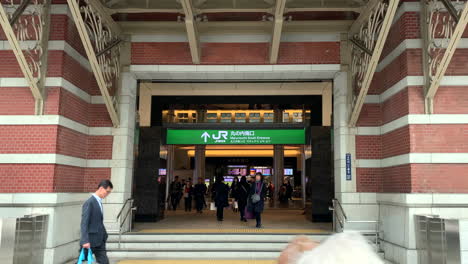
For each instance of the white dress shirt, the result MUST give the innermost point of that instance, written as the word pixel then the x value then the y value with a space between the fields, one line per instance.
pixel 99 201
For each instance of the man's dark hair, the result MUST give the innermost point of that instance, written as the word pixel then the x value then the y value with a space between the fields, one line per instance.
pixel 105 184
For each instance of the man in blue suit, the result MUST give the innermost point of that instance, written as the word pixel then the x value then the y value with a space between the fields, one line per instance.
pixel 93 232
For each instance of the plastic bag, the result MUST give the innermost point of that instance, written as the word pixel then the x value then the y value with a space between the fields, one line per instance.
pixel 212 207
pixel 81 258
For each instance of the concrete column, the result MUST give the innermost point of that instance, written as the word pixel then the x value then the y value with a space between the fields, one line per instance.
pixel 199 163
pixel 278 115
pixel 344 137
pixel 201 115
pixel 170 116
pixel 122 152
pixel 278 168
pixel 169 169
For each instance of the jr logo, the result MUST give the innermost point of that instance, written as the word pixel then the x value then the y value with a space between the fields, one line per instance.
pixel 221 135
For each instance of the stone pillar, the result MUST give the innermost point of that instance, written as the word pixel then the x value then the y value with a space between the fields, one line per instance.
pixel 169 170
pixel 278 115
pixel 199 171
pixel 278 168
pixel 201 115
pixel 122 152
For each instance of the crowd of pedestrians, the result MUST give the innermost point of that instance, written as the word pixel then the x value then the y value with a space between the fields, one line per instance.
pixel 247 198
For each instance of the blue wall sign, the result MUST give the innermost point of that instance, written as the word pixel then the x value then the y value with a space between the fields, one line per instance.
pixel 348 166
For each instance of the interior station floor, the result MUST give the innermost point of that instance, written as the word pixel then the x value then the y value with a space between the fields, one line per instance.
pixel 273 221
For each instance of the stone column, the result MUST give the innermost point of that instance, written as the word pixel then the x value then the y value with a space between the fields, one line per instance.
pixel 122 152
pixel 278 115
pixel 201 115
pixel 199 163
pixel 278 168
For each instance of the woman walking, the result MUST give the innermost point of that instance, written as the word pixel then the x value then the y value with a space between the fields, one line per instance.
pixel 242 197
pixel 220 197
pixel 257 195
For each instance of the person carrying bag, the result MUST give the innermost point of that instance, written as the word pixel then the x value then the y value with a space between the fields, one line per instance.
pixel 82 257
pixel 257 198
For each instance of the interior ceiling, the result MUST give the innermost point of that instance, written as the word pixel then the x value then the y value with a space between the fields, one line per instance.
pixel 233 10
pixel 234 4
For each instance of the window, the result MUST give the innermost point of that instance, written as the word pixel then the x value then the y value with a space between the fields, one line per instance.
pixel 297 117
pixel 268 117
pixel 226 117
pixel 254 117
pixel 240 117
pixel 182 117
pixel 212 117
pixel 285 117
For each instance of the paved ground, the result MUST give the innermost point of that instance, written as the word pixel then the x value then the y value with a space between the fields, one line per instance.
pixel 273 220
pixel 208 261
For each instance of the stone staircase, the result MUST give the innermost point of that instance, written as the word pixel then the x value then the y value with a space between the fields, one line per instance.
pixel 202 246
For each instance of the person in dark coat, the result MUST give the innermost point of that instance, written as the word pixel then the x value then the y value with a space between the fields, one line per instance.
pixel 257 195
pixel 199 194
pixel 242 196
pixel 234 192
pixel 220 196
pixel 93 233
pixel 175 191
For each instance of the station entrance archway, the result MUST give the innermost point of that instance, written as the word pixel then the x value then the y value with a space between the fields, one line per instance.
pixel 192 112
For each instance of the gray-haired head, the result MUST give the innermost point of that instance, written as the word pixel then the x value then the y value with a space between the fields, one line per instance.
pixel 343 248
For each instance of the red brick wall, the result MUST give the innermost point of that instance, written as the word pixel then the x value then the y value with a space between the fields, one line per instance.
pixel 20 97
pixel 369 180
pixel 368 147
pixel 76 179
pixel 50 139
pixel 439 178
pixel 396 179
pixel 144 53
pixel 100 147
pixel 25 178
pixel 28 139
pixel 413 177
pixel 406 27
pixel 439 138
pixel 309 53
pixel 161 53
pixel 370 115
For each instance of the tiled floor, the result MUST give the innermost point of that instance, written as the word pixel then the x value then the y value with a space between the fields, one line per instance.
pixel 274 221
pixel 207 261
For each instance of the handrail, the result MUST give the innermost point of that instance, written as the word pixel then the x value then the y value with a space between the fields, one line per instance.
pixel 341 208
pixel 128 212
pixel 343 218
pixel 123 207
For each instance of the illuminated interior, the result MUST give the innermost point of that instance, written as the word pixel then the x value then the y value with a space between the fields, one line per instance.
pixel 237 116
pixel 242 151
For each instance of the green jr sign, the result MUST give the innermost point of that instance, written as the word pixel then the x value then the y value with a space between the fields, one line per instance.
pixel 235 137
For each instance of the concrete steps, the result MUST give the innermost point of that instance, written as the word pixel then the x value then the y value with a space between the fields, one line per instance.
pixel 201 246
pixel 193 246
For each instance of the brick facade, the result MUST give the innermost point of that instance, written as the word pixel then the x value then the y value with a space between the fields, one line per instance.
pixel 412 138
pixel 54 139
pixel 153 53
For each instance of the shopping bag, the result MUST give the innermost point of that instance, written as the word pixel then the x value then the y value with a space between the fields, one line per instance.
pixel 248 214
pixel 81 258
pixel 212 207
